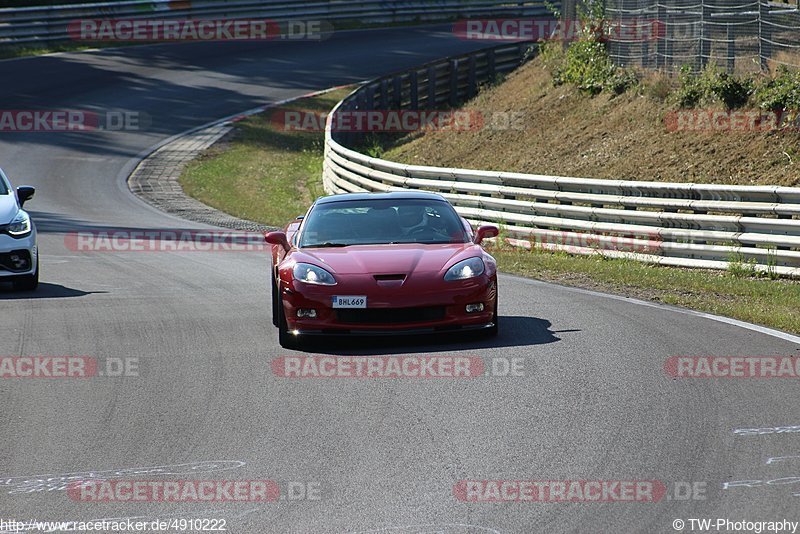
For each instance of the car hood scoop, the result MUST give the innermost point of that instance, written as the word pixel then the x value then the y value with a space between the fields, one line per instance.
pixel 390 280
pixel 390 277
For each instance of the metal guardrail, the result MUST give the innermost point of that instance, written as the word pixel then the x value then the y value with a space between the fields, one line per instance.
pixel 678 224
pixel 49 23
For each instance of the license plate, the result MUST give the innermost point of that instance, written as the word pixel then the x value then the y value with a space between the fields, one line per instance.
pixel 350 302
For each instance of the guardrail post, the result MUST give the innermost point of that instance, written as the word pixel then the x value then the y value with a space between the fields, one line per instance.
pixel 472 83
pixel 490 59
pixel 414 90
pixel 384 94
pixel 431 88
pixel 369 98
pixel 397 92
pixel 453 82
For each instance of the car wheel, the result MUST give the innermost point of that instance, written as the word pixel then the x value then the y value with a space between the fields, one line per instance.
pixel 276 296
pixel 28 282
pixel 286 340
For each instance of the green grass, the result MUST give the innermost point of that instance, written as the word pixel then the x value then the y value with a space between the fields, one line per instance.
pixel 773 303
pixel 271 176
pixel 263 174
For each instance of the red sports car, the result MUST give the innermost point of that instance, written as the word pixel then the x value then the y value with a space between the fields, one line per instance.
pixel 381 263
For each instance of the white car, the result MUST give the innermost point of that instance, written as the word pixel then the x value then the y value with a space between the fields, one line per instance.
pixel 19 253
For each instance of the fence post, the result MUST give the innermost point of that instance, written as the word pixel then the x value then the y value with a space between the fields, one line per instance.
pixel 764 35
pixel 705 40
pixel 568 15
pixel 731 38
pixel 661 36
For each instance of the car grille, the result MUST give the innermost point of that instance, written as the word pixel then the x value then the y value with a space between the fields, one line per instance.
pixel 16 261
pixel 390 315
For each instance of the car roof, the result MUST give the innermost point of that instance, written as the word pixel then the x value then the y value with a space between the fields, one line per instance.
pixel 394 195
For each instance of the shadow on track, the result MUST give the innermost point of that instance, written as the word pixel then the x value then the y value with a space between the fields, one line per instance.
pixel 45 291
pixel 515 331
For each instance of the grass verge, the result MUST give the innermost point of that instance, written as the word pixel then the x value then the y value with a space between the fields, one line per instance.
pixel 773 303
pixel 270 176
pixel 260 172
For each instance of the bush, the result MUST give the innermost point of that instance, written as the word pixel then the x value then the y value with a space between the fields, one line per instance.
pixel 689 92
pixel 588 66
pixel 622 81
pixel 712 86
pixel 733 91
pixel 779 93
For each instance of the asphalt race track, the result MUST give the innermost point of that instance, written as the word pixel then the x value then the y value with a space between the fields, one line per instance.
pixel 377 455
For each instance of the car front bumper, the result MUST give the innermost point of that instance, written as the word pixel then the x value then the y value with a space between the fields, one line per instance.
pixel 411 308
pixel 18 256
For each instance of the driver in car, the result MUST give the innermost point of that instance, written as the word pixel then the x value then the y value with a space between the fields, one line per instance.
pixel 412 219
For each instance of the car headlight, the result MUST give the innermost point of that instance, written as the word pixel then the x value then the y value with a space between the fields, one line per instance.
pixel 311 274
pixel 466 269
pixel 20 226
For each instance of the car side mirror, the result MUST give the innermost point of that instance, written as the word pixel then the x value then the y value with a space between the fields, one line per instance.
pixel 277 238
pixel 485 232
pixel 25 193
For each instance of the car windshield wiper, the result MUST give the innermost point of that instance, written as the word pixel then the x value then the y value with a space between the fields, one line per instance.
pixel 326 245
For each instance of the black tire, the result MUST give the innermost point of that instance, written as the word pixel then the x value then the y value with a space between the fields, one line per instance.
pixel 286 339
pixel 275 301
pixel 28 282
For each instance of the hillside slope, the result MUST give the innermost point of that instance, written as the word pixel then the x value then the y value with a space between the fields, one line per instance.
pixel 570 134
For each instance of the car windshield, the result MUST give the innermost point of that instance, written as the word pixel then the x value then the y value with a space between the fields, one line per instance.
pixel 382 221
pixel 3 187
